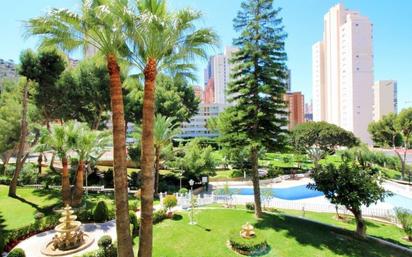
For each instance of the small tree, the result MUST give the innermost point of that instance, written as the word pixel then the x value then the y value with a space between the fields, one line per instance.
pixel 404 217
pixel 351 186
pixel 169 202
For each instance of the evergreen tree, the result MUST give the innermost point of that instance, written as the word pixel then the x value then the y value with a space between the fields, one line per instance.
pixel 258 117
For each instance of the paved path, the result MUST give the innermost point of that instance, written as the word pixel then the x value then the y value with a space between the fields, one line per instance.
pixel 34 244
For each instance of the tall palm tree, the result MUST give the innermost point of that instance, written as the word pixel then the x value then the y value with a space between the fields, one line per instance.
pixel 160 40
pixel 99 25
pixel 87 144
pixel 165 129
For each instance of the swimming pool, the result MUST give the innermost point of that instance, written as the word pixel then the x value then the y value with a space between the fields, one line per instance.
pixel 302 192
pixel 289 193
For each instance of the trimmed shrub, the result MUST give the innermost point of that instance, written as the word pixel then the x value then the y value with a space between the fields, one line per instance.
pixel 159 216
pixel 134 221
pixel 18 252
pixel 105 241
pixel 101 212
pixel 169 201
pixel 250 206
pixel 106 247
pixel 246 246
pixel 133 205
pixel 183 190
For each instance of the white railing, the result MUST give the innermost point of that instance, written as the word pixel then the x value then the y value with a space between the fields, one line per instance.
pixel 183 201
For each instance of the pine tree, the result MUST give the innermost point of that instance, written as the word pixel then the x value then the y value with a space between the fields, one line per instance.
pixel 258 117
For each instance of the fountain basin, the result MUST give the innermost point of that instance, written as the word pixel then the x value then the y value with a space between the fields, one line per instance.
pixel 48 250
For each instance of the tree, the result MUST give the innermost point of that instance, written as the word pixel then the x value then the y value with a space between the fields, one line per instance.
pixel 160 40
pixel 10 116
pixel 100 25
pixel 393 129
pixel 88 144
pixel 194 160
pixel 86 92
pixel 164 130
pixel 404 217
pixel 321 135
pixel 258 116
pixel 403 125
pixel 30 70
pixel 384 133
pixel 59 139
pixel 351 186
pixel 173 98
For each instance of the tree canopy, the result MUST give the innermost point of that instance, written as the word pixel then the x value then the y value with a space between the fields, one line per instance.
pixel 321 135
pixel 350 185
pixel 384 132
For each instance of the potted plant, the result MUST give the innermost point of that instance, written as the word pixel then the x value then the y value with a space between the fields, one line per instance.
pixel 169 201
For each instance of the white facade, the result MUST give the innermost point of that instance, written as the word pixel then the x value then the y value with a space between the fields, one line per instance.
pixel 197 126
pixel 220 69
pixel 385 98
pixel 343 72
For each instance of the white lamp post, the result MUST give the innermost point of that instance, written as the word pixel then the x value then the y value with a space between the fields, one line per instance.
pixel 192 203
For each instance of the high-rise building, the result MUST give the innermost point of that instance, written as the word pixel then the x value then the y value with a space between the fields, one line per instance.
pixel 197 126
pixel 198 92
pixel 343 72
pixel 309 111
pixel 217 76
pixel 296 103
pixel 289 81
pixel 385 98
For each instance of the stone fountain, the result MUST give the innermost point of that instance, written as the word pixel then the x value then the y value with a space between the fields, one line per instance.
pixel 69 238
pixel 248 231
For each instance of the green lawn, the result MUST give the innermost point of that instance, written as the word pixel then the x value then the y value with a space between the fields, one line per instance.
pixel 287 237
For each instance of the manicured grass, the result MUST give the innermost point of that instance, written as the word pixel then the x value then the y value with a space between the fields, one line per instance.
pixel 377 229
pixel 287 236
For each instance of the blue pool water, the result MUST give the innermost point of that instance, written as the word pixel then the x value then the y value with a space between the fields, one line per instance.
pixel 302 192
pixel 289 193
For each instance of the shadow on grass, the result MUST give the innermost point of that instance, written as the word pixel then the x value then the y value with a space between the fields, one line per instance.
pixel 204 228
pixel 177 217
pixel 3 232
pixel 339 241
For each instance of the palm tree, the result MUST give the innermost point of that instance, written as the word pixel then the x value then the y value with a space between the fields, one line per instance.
pixel 165 129
pixel 99 25
pixel 59 140
pixel 87 144
pixel 160 40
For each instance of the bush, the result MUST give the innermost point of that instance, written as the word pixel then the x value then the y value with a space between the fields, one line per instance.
pixel 108 179
pixel 169 201
pixel 249 246
pixel 250 206
pixel 28 175
pixel 159 216
pixel 85 215
pixel 404 217
pixel 101 212
pixel 183 190
pixel 18 252
pixel 38 215
pixel 105 241
pixel 134 221
pixel 4 180
pixel 133 205
pixel 274 172
pixel 106 247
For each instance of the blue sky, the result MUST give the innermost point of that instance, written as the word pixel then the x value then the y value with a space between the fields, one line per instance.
pixel 303 20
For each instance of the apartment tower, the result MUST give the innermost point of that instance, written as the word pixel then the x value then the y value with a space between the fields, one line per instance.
pixel 386 101
pixel 343 72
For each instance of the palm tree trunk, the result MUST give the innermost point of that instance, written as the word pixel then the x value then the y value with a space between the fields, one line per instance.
pixel 125 247
pixel 255 180
pixel 79 189
pixel 22 142
pixel 51 165
pixel 65 182
pixel 39 162
pixel 157 169
pixel 147 159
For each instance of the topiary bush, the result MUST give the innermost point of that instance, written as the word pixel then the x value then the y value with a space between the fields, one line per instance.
pixel 18 252
pixel 101 212
pixel 135 222
pixel 250 206
pixel 159 216
pixel 169 201
pixel 106 247
pixel 251 246
pixel 183 190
